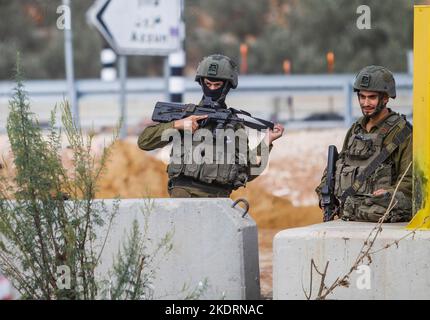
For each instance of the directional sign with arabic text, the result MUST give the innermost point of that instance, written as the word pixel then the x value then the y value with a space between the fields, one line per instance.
pixel 139 27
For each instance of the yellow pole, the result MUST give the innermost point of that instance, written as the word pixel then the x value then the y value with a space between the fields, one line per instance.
pixel 421 113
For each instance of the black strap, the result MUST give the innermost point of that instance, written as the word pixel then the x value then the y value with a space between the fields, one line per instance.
pixel 187 182
pixel 385 153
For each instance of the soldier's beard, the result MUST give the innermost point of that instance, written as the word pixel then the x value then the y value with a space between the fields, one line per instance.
pixel 379 107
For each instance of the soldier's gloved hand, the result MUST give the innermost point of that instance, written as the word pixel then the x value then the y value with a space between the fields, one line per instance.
pixel 188 123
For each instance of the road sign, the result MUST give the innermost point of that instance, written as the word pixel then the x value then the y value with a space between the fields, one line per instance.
pixel 139 27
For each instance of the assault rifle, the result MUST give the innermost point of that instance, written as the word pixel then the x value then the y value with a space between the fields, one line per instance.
pixel 329 201
pixel 170 111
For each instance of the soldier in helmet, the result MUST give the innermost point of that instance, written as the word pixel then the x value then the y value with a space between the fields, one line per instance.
pixel 376 152
pixel 216 74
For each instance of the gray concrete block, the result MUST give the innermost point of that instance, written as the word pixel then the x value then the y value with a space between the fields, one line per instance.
pixel 398 272
pixel 211 241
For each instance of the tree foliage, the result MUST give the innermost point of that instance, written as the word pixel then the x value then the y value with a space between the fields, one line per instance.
pixel 300 31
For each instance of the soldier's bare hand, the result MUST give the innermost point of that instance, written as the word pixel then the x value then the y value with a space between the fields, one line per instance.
pixel 379 192
pixel 188 123
pixel 277 132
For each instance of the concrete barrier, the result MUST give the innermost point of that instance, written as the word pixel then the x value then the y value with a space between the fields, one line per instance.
pixel 211 242
pixel 398 272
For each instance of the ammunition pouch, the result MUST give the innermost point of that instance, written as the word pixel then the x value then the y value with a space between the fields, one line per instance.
pixel 372 208
pixel 360 147
pixel 232 175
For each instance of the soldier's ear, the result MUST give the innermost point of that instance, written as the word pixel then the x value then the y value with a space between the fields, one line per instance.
pixel 385 98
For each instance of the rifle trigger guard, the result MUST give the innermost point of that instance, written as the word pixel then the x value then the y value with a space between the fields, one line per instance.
pixel 243 200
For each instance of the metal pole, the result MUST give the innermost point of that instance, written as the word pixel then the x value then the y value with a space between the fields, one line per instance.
pixel 347 89
pixel 410 61
pixel 122 97
pixel 68 55
pixel 166 78
pixel 108 60
pixel 176 62
pixel 421 120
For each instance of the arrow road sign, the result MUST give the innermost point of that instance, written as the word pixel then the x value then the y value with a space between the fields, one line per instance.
pixel 139 27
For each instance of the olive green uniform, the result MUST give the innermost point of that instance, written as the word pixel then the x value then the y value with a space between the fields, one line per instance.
pixel 359 149
pixel 217 177
pixel 199 180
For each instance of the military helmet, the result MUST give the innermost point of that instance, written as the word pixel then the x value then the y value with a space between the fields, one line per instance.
pixel 218 66
pixel 376 78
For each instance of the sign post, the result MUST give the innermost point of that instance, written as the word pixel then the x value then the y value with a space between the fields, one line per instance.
pixel 421 133
pixel 68 55
pixel 137 27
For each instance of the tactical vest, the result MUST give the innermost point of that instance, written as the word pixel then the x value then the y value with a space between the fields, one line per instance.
pixel 231 174
pixel 359 151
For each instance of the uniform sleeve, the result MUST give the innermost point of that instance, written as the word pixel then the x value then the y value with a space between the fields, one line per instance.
pixel 402 158
pixel 150 138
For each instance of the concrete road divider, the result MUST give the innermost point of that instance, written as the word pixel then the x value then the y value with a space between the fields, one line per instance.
pixel 398 269
pixel 214 248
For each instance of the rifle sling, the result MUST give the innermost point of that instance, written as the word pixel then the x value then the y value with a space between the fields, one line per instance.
pixel 385 153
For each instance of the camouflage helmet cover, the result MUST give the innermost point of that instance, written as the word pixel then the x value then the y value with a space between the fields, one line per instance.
pixel 218 66
pixel 376 78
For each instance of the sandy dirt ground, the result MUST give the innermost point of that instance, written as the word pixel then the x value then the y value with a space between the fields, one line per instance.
pixel 282 198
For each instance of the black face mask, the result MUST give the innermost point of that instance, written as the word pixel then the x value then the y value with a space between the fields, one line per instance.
pixel 213 94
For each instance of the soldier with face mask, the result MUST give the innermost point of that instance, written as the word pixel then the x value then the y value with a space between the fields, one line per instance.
pixel 216 74
pixel 376 152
